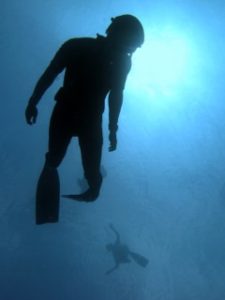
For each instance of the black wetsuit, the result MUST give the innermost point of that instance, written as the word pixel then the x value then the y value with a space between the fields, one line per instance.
pixel 91 72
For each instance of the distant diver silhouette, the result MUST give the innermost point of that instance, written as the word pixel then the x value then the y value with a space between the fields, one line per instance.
pixel 122 254
pixel 94 68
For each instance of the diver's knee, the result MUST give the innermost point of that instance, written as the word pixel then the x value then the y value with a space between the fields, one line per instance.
pixel 50 166
pixel 52 162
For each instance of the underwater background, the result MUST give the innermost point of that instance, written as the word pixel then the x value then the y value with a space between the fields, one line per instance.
pixel 164 188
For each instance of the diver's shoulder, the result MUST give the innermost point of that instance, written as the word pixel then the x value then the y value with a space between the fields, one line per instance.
pixel 79 41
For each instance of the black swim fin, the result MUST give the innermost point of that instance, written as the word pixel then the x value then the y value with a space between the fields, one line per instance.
pixel 139 259
pixel 87 196
pixel 47 197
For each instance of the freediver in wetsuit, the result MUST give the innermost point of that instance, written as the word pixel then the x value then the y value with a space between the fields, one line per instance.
pixel 122 254
pixel 94 67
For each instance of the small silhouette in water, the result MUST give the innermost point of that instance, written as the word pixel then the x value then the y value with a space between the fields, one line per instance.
pixel 122 254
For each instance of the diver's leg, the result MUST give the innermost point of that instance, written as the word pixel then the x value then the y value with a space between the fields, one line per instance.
pixel 91 152
pixel 90 141
pixel 48 187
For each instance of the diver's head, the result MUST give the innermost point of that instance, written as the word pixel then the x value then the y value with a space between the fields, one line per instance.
pixel 126 33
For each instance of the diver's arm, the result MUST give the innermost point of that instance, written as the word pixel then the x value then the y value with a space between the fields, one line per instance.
pixel 116 233
pixel 55 67
pixel 115 104
pixel 116 98
pixel 43 84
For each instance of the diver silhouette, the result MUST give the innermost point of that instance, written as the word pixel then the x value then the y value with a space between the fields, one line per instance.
pixel 94 68
pixel 122 254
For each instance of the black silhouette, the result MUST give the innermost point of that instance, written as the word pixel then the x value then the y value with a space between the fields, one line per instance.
pixel 47 210
pixel 94 67
pixel 83 184
pixel 122 254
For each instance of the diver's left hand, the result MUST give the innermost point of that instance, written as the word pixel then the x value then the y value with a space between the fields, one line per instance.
pixel 31 114
pixel 113 141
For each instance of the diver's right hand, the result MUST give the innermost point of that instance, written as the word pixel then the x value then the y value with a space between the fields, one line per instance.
pixel 31 114
pixel 113 141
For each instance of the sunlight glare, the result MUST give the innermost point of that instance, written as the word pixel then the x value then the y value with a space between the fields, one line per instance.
pixel 162 63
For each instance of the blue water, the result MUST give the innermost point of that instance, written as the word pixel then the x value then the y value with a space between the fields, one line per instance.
pixel 164 188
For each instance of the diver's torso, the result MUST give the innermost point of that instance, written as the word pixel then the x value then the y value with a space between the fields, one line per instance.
pixel 91 72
